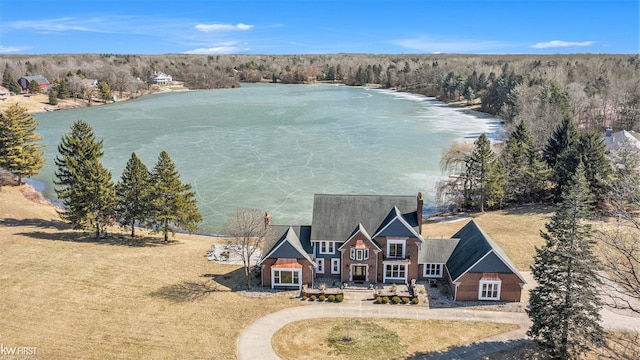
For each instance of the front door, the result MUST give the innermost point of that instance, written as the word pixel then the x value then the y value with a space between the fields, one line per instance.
pixel 359 273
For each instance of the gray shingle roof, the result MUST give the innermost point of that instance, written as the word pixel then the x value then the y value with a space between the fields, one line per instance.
pixel 474 244
pixel 297 236
pixel 437 251
pixel 334 216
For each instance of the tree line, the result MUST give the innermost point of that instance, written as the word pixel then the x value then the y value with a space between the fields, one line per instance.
pixel 598 90
pixel 155 199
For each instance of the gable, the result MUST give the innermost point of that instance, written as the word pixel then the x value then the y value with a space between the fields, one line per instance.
pixel 490 264
pixel 359 234
pixel 396 228
pixel 286 250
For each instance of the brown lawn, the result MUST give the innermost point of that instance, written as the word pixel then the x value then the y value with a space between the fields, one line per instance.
pixel 73 297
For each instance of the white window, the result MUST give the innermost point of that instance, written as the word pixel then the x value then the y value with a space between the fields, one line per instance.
pixel 286 277
pixel 359 254
pixel 489 287
pixel 320 269
pixel 432 270
pixel 326 247
pixel 335 266
pixel 395 249
pixel 396 271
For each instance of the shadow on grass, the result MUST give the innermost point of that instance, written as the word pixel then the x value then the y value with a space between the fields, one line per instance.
pixel 232 280
pixel 529 210
pixel 510 349
pixel 63 232
pixel 186 291
pixel 38 223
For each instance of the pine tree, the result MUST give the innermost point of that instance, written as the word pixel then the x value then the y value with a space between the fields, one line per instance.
pixel 484 175
pixel 526 175
pixel 53 97
pixel 173 205
pixel 134 194
pixel 560 153
pixel 34 87
pixel 20 152
pixel 9 81
pixel 598 167
pixel 83 184
pixel 564 306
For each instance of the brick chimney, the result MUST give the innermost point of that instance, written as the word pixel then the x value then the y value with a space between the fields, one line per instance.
pixel 420 204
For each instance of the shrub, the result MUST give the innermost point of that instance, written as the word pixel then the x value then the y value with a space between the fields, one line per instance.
pixel 339 298
pixel 396 300
pixel 405 300
pixel 304 298
pixel 415 301
pixel 379 300
pixel 385 299
pixel 312 298
pixel 332 298
pixel 322 298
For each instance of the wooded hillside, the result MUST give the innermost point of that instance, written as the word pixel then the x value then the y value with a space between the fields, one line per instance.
pixel 599 90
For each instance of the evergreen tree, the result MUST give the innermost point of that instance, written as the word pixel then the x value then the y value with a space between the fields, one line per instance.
pixel 105 91
pixel 34 87
pixel 598 169
pixel 564 306
pixel 83 184
pixel 134 194
pixel 20 152
pixel 63 89
pixel 484 175
pixel 173 204
pixel 9 82
pixel 526 175
pixel 559 153
pixel 53 97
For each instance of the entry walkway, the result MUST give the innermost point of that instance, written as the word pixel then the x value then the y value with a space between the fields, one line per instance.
pixel 255 341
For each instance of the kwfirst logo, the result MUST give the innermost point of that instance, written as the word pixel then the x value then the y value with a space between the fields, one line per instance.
pixel 17 352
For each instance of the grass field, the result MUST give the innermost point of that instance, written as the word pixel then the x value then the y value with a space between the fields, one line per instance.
pixel 377 338
pixel 74 297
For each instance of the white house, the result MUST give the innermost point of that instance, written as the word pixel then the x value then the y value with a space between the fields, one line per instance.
pixel 161 78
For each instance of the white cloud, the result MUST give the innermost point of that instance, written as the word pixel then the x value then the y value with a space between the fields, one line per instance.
pixel 12 49
pixel 54 25
pixel 223 27
pixel 230 47
pixel 561 44
pixel 433 45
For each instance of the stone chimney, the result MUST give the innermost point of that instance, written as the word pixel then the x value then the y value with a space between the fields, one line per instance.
pixel 420 204
pixel 267 219
pixel 608 133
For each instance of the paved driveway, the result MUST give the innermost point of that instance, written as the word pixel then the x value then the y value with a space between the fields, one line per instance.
pixel 255 341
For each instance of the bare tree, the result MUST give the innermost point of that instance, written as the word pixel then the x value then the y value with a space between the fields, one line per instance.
pixel 247 229
pixel 621 242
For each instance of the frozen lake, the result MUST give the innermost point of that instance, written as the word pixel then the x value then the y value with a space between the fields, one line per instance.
pixel 271 147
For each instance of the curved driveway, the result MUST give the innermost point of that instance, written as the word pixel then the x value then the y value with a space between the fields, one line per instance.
pixel 255 341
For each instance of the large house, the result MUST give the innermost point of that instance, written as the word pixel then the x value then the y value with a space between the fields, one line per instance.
pixel 161 78
pixel 377 239
pixel 41 80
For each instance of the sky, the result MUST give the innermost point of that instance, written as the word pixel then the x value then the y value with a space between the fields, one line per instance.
pixel 319 27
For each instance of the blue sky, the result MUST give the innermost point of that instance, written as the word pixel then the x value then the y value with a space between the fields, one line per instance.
pixel 313 27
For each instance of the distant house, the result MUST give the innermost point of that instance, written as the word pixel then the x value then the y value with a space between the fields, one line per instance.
pixel 4 93
pixel 161 78
pixel 41 80
pixel 616 141
pixel 377 239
